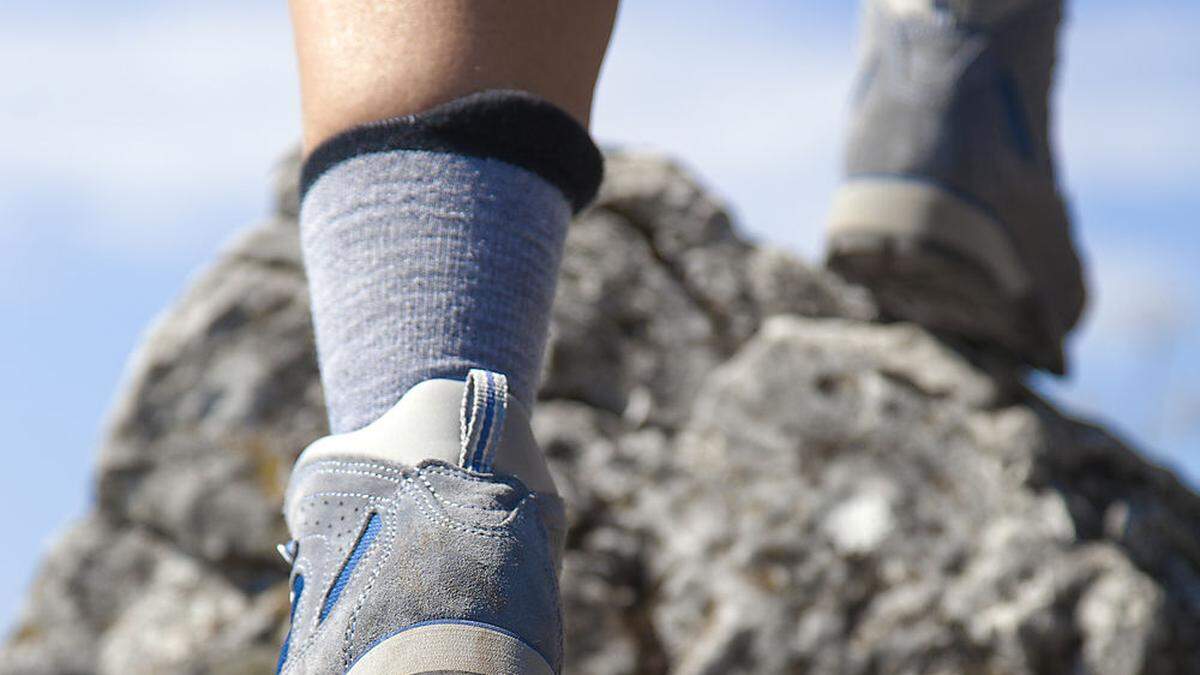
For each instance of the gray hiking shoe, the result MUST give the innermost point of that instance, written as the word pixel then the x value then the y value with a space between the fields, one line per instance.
pixel 950 211
pixel 426 565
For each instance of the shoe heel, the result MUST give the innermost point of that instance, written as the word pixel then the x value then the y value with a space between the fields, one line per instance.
pixel 451 647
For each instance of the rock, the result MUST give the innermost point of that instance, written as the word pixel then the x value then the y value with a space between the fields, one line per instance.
pixel 762 478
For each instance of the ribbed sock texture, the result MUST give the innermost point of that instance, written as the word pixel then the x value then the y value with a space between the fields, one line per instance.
pixel 427 264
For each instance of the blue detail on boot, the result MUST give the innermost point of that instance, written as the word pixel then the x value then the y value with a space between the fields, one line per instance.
pixel 297 590
pixel 485 399
pixel 437 542
pixel 360 549
pixel 1014 111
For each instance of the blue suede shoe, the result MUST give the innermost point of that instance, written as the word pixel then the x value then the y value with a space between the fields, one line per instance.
pixel 426 542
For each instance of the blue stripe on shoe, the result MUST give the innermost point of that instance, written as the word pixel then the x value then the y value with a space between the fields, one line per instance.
pixel 485 398
pixel 499 407
pixel 374 524
pixel 297 591
pixel 489 411
pixel 1014 111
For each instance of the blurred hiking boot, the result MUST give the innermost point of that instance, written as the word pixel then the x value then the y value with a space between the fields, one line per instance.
pixel 427 542
pixel 949 210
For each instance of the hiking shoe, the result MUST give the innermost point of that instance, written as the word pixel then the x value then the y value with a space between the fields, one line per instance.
pixel 427 542
pixel 949 210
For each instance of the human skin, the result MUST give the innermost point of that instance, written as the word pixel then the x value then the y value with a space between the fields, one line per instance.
pixel 367 60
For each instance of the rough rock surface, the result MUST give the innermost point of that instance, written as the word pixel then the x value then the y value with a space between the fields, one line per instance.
pixel 762 480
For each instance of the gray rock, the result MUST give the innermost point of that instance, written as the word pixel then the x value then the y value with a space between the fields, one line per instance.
pixel 762 478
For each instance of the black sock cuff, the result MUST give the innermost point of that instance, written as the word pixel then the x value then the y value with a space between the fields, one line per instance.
pixel 510 126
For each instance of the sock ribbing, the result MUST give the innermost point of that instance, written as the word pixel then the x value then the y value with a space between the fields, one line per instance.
pixel 512 126
pixel 426 263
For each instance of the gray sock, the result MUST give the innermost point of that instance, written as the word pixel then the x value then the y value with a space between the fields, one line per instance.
pixel 432 245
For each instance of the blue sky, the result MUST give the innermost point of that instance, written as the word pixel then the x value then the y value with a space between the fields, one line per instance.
pixel 136 137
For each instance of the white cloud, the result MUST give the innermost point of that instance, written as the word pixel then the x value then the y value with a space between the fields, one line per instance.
pixel 145 117
pixel 1130 97
pixel 1139 299
pixel 754 107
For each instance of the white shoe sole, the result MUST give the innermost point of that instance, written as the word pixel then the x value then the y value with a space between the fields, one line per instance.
pixel 451 648
pixel 867 210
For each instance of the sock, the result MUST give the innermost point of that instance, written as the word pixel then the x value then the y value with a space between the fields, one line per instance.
pixel 432 245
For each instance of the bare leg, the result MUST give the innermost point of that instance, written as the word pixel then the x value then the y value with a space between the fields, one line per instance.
pixel 367 61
